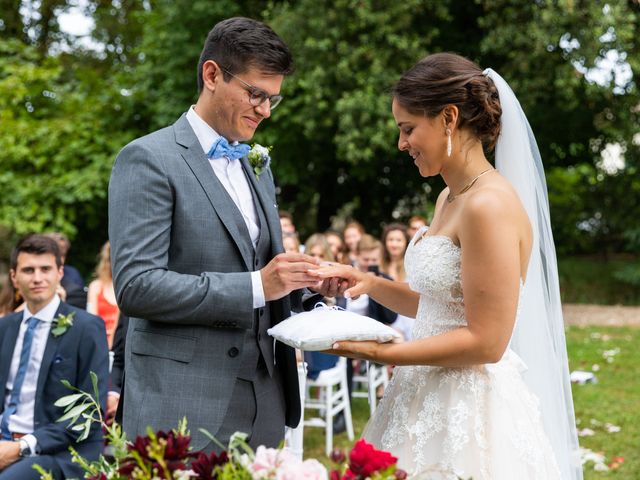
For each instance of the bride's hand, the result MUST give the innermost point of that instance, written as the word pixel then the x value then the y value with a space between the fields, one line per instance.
pixel 359 282
pixel 365 350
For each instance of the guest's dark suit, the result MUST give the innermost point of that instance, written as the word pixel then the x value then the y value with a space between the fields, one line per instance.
pixel 182 258
pixel 116 378
pixel 70 356
pixel 76 294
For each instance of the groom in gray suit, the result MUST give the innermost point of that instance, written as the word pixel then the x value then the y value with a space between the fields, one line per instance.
pixel 196 250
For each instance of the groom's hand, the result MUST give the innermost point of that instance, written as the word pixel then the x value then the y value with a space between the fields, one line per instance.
pixel 332 287
pixel 288 272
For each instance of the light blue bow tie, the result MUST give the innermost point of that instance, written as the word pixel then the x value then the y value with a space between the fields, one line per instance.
pixel 221 148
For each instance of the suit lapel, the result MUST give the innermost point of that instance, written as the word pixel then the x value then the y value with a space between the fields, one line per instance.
pixel 7 346
pixel 49 351
pixel 215 191
pixel 268 207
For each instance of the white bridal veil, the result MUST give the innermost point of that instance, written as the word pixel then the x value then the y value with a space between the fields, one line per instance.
pixel 538 337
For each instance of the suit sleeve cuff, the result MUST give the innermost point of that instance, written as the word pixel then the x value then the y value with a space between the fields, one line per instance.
pixel 32 442
pixel 258 290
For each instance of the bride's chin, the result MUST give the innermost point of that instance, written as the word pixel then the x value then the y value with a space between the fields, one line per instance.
pixel 424 172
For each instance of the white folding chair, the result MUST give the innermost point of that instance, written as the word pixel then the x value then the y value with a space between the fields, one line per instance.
pixel 333 399
pixel 366 385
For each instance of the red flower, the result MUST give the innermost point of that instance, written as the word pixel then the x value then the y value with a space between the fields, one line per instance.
pixel 365 460
pixel 204 465
pixel 98 476
pixel 337 456
pixel 176 452
pixel 334 475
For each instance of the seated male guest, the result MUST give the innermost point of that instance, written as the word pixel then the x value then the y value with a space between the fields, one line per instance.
pixel 38 349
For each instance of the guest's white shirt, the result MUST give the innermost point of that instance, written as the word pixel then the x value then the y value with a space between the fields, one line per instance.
pixel 22 420
pixel 360 305
pixel 232 176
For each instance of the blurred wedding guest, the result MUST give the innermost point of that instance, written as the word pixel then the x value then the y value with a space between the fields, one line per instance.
pixel 290 243
pixel 415 223
pixel 10 299
pixel 34 359
pixel 70 273
pixel 286 222
pixel 318 247
pixel 394 242
pixel 102 297
pixel 338 247
pixel 352 234
pixel 72 289
pixel 368 258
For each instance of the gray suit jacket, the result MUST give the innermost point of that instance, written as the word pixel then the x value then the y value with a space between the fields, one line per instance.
pixel 181 259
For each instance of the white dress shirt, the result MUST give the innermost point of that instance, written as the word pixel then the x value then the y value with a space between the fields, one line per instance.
pixel 232 176
pixel 22 420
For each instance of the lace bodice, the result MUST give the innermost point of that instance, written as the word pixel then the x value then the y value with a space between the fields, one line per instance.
pixel 433 270
pixel 479 421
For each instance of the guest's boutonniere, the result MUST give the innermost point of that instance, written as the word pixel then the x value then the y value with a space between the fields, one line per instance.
pixel 61 324
pixel 259 159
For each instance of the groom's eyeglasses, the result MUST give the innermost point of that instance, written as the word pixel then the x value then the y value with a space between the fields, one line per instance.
pixel 257 96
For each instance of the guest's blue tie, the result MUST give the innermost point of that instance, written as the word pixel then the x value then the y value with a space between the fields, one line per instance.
pixel 221 148
pixel 25 355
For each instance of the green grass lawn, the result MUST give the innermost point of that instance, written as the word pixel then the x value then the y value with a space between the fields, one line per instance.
pixel 615 399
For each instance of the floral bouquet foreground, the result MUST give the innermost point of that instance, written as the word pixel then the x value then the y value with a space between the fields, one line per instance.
pixel 168 455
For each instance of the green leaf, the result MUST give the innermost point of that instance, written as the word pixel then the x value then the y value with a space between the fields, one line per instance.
pixel 74 412
pixel 68 400
pixel 94 383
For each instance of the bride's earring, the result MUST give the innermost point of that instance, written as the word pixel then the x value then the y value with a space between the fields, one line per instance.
pixel 448 133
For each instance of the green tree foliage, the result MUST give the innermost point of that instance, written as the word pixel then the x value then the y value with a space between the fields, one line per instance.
pixel 64 114
pixel 58 136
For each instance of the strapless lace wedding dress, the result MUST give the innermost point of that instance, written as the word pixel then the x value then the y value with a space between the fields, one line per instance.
pixel 481 421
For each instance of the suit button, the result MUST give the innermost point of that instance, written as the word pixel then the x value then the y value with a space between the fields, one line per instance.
pixel 261 311
pixel 256 263
pixel 233 352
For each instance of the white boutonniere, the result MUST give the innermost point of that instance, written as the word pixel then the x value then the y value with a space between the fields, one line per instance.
pixel 61 324
pixel 259 159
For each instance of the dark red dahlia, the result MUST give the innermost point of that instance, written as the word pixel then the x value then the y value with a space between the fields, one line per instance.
pixel 204 465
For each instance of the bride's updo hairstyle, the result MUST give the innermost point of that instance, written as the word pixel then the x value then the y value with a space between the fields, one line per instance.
pixel 445 79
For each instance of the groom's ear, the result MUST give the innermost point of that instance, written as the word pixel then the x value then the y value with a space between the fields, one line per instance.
pixel 211 75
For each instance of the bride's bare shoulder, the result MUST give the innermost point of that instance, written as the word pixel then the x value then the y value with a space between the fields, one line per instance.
pixel 495 202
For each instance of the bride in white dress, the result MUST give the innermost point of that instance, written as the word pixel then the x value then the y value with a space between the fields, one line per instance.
pixel 482 391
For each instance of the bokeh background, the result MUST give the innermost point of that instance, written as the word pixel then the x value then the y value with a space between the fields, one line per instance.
pixel 81 78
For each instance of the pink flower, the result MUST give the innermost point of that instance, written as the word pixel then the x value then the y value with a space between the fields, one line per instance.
pixel 308 470
pixel 268 460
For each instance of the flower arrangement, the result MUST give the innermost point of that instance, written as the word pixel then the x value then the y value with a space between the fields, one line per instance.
pixel 168 455
pixel 365 462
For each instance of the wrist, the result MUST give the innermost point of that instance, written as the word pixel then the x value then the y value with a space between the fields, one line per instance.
pixel 22 448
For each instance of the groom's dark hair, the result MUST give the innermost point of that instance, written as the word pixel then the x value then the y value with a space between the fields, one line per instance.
pixel 237 44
